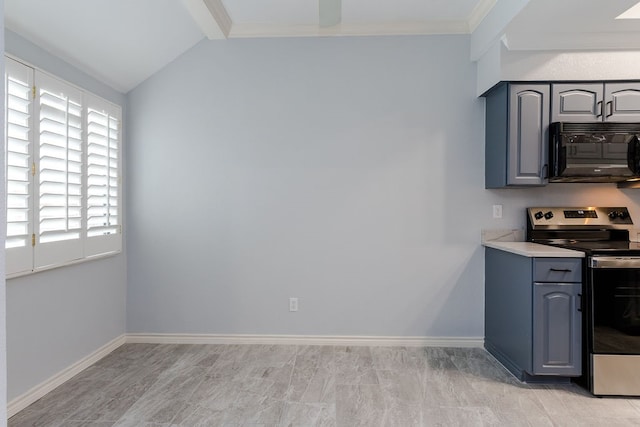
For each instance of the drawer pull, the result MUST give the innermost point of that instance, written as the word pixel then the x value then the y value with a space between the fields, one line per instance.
pixel 561 270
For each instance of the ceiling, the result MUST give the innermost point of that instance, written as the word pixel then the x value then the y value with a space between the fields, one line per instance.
pixel 573 25
pixel 123 42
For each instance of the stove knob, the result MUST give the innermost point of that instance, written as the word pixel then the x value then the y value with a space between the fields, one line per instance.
pixel 548 215
pixel 622 214
pixel 613 215
pixel 538 215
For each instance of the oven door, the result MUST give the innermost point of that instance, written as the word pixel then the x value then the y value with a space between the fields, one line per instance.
pixel 614 324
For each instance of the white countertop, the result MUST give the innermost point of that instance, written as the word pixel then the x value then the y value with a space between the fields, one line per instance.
pixel 529 249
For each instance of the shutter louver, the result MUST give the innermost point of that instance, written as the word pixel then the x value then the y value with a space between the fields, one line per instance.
pixel 59 172
pixel 19 148
pixel 103 192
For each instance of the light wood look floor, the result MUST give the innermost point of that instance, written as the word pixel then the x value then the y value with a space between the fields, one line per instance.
pixel 264 385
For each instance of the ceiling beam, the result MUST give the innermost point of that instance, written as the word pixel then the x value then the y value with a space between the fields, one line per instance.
pixel 330 12
pixel 490 29
pixel 479 12
pixel 211 16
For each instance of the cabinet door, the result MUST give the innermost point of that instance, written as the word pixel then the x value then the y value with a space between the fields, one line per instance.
pixel 622 102
pixel 577 102
pixel 528 134
pixel 557 328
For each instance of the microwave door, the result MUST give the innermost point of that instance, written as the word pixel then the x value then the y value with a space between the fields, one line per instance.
pixel 594 152
pixel 596 157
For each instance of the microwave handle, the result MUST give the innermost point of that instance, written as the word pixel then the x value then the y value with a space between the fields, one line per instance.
pixel 633 154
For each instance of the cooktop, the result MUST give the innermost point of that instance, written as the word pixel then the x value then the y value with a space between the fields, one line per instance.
pixel 617 246
pixel 593 230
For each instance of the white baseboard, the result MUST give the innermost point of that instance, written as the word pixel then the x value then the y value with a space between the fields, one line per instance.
pixel 35 393
pixel 342 340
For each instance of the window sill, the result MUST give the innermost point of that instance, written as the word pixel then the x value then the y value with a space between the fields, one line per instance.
pixel 74 262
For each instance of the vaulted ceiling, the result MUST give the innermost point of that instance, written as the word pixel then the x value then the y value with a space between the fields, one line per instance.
pixel 123 42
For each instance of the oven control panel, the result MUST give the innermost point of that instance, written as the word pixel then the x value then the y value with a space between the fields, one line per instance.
pixel 552 217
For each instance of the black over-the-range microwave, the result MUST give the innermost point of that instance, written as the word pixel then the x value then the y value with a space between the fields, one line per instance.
pixel 594 152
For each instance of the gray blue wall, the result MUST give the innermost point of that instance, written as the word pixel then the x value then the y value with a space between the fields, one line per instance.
pixel 57 317
pixel 327 169
pixel 347 172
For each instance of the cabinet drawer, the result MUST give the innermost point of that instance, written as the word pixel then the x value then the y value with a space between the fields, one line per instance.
pixel 567 270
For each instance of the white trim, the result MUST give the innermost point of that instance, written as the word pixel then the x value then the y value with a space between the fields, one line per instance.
pixel 38 391
pixel 35 393
pixel 205 20
pixel 479 12
pixel 212 18
pixel 74 262
pixel 383 341
pixel 330 12
pixel 220 15
pixel 382 29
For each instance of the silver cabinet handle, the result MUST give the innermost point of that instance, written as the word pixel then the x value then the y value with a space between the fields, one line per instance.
pixel 561 270
pixel 599 108
pixel 610 108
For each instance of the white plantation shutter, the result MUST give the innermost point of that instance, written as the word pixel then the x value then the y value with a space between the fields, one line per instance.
pixel 59 234
pixel 103 177
pixel 63 167
pixel 19 160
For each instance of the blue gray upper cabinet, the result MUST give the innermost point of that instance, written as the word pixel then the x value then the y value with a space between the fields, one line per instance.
pixel 595 102
pixel 516 134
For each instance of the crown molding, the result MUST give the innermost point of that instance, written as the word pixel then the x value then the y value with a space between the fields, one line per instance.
pixel 214 21
pixel 384 29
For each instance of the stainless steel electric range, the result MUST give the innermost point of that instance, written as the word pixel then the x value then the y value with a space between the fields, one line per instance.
pixel 611 290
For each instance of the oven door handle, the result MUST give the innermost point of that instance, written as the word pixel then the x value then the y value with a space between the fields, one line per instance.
pixel 614 262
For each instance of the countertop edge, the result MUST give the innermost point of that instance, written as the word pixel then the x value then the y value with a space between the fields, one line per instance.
pixel 533 250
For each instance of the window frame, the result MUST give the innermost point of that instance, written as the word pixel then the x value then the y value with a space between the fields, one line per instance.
pixel 92 248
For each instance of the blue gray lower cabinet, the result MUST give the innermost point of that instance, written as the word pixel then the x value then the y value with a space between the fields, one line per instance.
pixel 533 317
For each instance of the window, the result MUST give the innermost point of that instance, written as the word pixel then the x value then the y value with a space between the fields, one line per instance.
pixel 63 172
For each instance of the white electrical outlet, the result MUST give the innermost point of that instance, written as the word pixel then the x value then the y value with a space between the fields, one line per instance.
pixel 497 211
pixel 293 304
